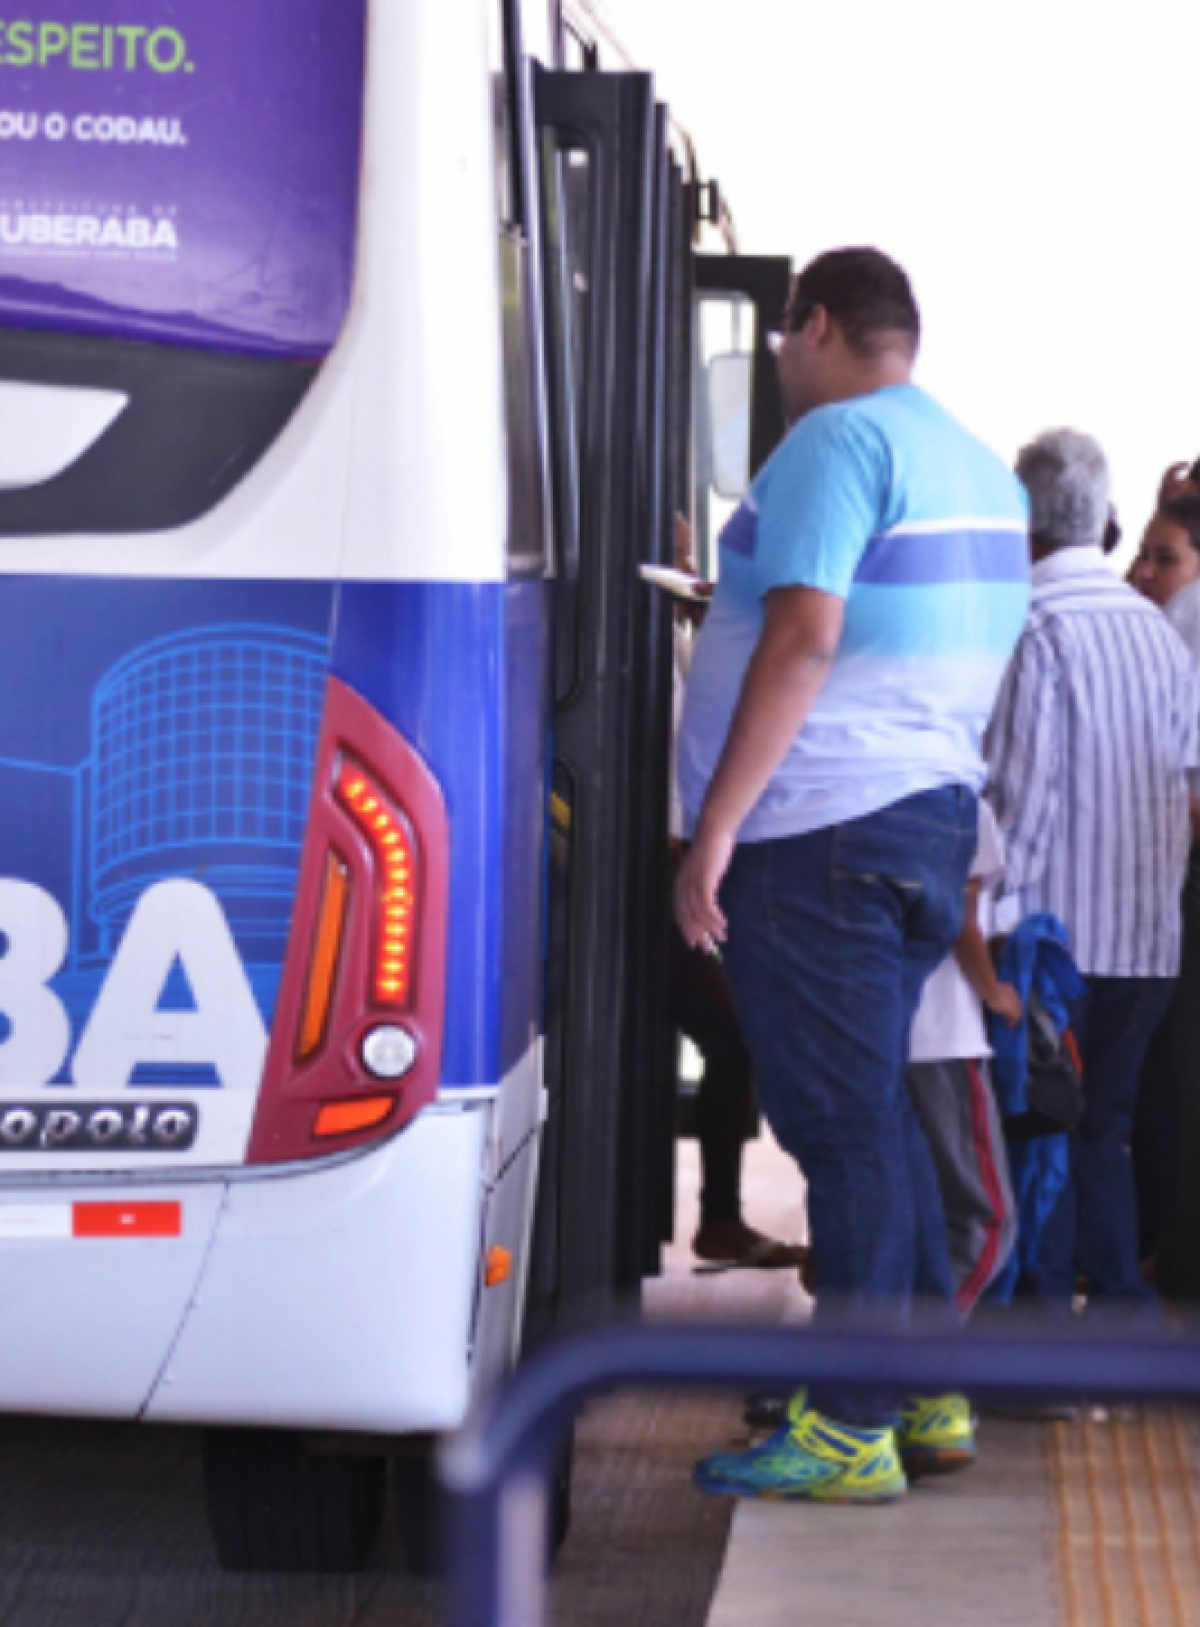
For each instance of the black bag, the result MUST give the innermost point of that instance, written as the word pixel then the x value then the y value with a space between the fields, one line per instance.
pixel 1053 1080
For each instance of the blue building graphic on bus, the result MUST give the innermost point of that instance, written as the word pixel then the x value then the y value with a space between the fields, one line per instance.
pixel 202 752
pixel 201 745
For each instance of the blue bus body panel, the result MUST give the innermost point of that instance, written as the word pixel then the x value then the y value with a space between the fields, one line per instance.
pixel 158 729
pixel 460 670
pixel 155 729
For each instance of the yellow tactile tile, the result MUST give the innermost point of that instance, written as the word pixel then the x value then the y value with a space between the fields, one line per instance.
pixel 1128 1521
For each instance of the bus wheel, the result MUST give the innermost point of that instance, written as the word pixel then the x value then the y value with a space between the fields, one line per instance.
pixel 276 1505
pixel 418 1512
pixel 560 1494
pixel 419 1508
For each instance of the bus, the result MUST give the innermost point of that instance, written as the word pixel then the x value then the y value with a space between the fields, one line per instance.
pixel 354 354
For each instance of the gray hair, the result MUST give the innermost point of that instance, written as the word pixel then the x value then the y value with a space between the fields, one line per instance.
pixel 1066 476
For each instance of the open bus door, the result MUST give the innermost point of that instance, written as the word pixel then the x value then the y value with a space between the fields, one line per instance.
pixel 615 250
pixel 636 324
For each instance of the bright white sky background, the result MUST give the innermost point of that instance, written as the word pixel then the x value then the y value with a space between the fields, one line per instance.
pixel 1034 165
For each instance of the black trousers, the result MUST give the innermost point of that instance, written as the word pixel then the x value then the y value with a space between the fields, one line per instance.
pixel 1166 1137
pixel 702 1008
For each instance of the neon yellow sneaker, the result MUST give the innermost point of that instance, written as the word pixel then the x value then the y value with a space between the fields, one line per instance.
pixel 936 1435
pixel 811 1457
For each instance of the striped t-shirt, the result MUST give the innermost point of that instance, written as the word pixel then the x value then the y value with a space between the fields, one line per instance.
pixel 888 503
pixel 1094 734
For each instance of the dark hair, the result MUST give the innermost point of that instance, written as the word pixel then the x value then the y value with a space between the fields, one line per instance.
pixel 866 294
pixel 1112 531
pixel 1185 512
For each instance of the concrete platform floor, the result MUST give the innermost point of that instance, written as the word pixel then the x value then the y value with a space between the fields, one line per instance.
pixel 1094 1523
pixel 1089 1524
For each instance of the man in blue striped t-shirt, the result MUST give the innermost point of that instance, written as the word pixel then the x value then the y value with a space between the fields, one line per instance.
pixel 872 587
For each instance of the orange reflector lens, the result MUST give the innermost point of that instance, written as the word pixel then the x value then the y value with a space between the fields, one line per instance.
pixel 499 1267
pixel 343 1118
pixel 392 848
pixel 331 919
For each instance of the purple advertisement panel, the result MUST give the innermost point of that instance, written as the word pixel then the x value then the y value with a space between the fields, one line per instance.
pixel 181 170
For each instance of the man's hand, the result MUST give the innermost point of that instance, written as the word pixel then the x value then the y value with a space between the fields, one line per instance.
pixel 700 875
pixel 685 553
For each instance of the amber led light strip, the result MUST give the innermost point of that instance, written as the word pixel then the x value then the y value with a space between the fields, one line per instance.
pixel 331 920
pixel 392 846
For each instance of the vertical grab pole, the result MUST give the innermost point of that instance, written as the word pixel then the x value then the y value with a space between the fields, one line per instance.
pixel 498 1525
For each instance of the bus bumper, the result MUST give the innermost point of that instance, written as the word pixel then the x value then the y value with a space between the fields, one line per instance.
pixel 340 1297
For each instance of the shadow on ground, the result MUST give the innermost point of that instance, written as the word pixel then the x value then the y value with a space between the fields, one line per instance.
pixel 102 1525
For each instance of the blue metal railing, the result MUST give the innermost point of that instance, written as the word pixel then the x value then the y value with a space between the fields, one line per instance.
pixel 496 1471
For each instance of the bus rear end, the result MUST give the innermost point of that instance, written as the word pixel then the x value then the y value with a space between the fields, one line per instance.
pixel 346 375
pixel 272 726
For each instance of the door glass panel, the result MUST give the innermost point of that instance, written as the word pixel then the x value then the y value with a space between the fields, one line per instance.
pixel 567 233
pixel 526 524
pixel 725 337
pixel 502 116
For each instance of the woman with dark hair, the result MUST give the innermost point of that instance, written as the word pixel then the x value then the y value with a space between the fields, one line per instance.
pixel 1166 1134
pixel 1169 558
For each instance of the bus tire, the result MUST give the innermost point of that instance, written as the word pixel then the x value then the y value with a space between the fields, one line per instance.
pixel 560 1495
pixel 418 1513
pixel 419 1509
pixel 274 1504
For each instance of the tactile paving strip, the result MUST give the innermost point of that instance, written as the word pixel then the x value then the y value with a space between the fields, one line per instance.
pixel 1128 1521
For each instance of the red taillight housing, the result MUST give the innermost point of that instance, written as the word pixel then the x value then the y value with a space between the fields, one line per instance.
pixel 355 1046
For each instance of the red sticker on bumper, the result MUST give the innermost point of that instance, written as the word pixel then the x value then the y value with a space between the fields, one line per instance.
pixel 127 1219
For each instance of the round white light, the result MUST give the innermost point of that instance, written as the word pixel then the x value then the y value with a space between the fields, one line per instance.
pixel 388 1051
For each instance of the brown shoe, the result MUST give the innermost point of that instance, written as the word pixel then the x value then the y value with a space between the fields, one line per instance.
pixel 733 1246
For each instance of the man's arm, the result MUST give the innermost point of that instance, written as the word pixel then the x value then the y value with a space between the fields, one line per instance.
pixel 800 636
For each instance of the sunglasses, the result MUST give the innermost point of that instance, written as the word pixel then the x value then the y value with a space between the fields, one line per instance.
pixel 793 319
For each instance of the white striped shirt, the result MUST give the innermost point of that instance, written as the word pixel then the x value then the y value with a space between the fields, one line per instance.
pixel 1094 732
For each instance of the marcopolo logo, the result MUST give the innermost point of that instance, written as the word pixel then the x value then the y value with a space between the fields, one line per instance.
pixel 122 47
pixel 98 1127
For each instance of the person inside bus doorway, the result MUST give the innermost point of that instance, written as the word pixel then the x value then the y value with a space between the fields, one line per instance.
pixel 702 1010
pixel 873 584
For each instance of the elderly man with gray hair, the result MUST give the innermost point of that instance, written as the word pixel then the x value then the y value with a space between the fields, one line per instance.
pixel 1089 749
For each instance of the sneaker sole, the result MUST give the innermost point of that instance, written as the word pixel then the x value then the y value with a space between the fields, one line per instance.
pixel 772 1494
pixel 924 1462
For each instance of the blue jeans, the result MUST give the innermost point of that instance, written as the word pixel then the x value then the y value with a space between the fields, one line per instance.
pixel 1093 1229
pixel 831 937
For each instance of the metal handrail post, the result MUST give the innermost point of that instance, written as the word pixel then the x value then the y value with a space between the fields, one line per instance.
pixel 497 1468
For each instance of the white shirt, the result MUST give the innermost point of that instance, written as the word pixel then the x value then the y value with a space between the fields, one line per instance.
pixel 949 1021
pixel 1089 749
